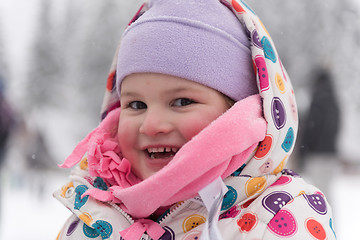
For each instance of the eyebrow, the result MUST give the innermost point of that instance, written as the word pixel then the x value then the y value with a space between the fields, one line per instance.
pixel 181 89
pixel 170 92
pixel 129 94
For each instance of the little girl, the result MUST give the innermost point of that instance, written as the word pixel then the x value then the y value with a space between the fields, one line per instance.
pixel 199 120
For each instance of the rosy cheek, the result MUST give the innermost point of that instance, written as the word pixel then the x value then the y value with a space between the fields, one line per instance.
pixel 194 128
pixel 126 134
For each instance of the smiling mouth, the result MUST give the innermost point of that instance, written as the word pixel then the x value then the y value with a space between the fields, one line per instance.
pixel 162 152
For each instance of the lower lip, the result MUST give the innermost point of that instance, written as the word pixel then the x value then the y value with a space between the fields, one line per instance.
pixel 158 161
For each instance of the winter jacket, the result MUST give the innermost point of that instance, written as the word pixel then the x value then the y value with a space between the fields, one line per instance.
pixel 228 182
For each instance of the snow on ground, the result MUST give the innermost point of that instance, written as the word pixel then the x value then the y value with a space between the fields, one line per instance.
pixel 346 195
pixel 30 212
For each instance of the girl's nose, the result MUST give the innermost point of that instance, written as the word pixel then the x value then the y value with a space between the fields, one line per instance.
pixel 155 123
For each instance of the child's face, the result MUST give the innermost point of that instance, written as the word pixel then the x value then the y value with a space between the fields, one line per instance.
pixel 159 114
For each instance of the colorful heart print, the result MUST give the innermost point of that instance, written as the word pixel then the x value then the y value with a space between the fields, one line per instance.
pixel 72 227
pixel 289 140
pixel 316 202
pixel 79 201
pixel 268 49
pixel 168 235
pixel 283 224
pixel 247 222
pixel 262 73
pixel 103 228
pixel 274 201
pixel 255 185
pixel 315 229
pixel 231 213
pixel 193 235
pixel 264 147
pixel 229 198
pixel 192 222
pixel 278 113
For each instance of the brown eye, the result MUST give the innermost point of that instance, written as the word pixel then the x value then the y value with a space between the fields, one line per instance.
pixel 137 105
pixel 180 102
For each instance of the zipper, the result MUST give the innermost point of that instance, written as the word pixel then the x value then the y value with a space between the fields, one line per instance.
pixel 175 209
pixel 126 215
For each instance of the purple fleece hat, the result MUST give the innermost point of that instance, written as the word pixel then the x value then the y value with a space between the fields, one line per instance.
pixel 199 40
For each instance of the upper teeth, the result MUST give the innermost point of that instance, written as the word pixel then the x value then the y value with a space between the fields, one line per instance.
pixel 162 149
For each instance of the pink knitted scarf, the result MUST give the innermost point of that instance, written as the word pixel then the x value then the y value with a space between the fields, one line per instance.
pixel 218 150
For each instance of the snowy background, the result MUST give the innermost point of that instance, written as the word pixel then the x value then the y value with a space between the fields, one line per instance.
pixel 54 60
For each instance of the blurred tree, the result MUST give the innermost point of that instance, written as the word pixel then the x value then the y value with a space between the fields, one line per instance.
pixel 44 85
pixel 3 65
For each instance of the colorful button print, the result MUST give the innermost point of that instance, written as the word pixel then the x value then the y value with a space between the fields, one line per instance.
pixel 238 8
pixel 293 107
pixel 100 184
pixel 278 113
pixel 229 198
pixel 192 222
pixel 281 166
pixel 84 163
pixel 262 73
pixel 267 166
pixel 90 232
pixel 274 201
pixel 168 235
pixel 80 201
pixel 231 213
pixel 72 227
pixel 280 83
pixel 247 203
pixel 289 140
pixel 68 190
pixel 268 49
pixel 247 222
pixel 290 172
pixel 193 235
pixel 255 185
pixel 282 69
pixel 103 228
pixel 264 147
pixel 86 218
pixel 247 6
pixel 283 224
pixel 255 39
pixel 331 226
pixel 283 180
pixel 316 202
pixel 315 229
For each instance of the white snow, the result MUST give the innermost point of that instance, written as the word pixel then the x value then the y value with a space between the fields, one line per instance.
pixel 28 210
